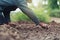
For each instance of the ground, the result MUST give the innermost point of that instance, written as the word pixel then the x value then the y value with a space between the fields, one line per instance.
pixel 26 30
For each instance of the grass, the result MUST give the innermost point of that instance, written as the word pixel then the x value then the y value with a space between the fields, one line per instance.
pixel 19 17
pixel 55 13
pixel 42 16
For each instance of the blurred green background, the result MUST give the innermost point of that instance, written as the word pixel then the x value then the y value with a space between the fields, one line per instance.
pixel 43 9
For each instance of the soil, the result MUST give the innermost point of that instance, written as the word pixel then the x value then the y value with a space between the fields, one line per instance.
pixel 55 19
pixel 29 31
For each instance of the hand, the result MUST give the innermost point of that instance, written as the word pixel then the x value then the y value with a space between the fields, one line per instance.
pixel 43 25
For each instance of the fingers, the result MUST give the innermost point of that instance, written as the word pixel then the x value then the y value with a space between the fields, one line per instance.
pixel 44 25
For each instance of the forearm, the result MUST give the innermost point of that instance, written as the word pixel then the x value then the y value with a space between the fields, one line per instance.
pixel 30 14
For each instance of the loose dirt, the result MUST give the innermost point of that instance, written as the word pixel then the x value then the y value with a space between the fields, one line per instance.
pixel 29 31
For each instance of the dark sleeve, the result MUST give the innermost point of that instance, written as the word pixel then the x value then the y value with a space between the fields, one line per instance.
pixel 28 11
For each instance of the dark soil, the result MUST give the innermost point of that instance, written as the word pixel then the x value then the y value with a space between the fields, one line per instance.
pixel 29 31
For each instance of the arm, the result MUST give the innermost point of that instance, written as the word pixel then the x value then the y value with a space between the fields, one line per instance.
pixel 28 12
